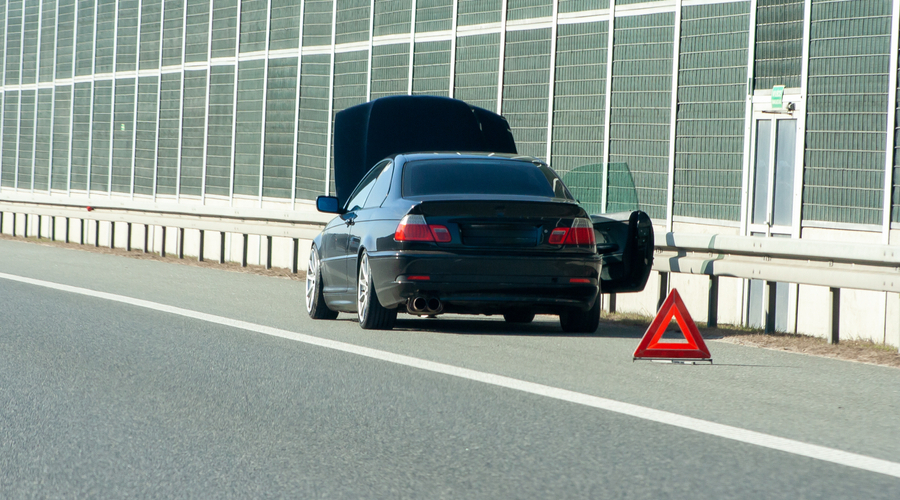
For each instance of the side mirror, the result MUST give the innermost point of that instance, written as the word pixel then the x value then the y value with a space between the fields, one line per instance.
pixel 328 204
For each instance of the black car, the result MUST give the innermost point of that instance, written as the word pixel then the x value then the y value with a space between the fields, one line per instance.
pixel 483 232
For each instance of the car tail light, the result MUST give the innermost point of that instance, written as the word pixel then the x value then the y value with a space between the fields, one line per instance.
pixel 414 228
pixel 581 233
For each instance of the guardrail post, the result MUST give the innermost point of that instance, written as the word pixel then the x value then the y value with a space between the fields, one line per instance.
pixel 14 224
pixel 39 227
pixel 221 247
pixel 268 252
pixel 770 306
pixel 834 315
pixel 53 228
pixel 712 310
pixel 112 234
pixel 1 222
pixel 81 235
pixel 244 254
pixel 180 242
pixel 162 252
pixel 146 238
pixel 663 289
pixel 128 237
pixel 25 229
pixel 294 264
pixel 67 229
pixel 96 233
pixel 200 255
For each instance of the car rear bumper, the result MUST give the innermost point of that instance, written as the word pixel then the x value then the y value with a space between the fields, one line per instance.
pixel 485 284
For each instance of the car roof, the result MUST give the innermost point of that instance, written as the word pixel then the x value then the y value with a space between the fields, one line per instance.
pixel 449 155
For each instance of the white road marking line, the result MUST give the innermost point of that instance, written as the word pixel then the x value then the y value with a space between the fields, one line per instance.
pixel 694 424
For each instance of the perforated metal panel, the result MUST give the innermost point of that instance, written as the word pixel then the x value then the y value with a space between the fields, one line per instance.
pixel 431 68
pixel 169 148
pixel 284 29
pixel 105 37
pixel 219 130
pixel 641 106
pixel 100 135
pixel 173 31
pixel 712 88
pixel 349 88
pixel 434 15
pixel 390 70
pixel 14 18
pixel 126 36
pixel 146 133
pixel 846 108
pixel 81 134
pixel 529 9
pixel 224 28
pixel 579 104
pixel 151 31
pixel 253 25
pixel 123 136
pixel 312 135
pixel 3 7
pixel 477 66
pixel 43 132
pixel 352 23
pixel 31 27
pixel 26 139
pixel 48 40
pixel 567 6
pixel 779 43
pixel 317 22
pixel 10 136
pixel 248 138
pixel 281 101
pixel 62 116
pixel 196 36
pixel 193 132
pixel 392 16
pixel 65 39
pixel 84 39
pixel 478 12
pixel 526 89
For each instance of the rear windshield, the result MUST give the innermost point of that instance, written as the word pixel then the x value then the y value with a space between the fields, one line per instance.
pixel 491 177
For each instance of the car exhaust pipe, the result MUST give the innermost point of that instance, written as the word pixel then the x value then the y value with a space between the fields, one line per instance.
pixel 433 305
pixel 417 305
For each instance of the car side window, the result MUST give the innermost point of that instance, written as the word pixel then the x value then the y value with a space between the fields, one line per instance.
pixel 358 198
pixel 380 188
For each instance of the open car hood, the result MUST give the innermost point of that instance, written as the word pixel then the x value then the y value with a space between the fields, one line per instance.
pixel 368 133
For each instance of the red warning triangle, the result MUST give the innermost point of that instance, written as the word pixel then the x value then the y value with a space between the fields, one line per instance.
pixel 651 347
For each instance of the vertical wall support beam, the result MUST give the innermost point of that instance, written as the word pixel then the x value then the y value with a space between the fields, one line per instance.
pixel 221 247
pixel 128 237
pixel 296 111
pixel 202 240
pixel 369 63
pixel 503 10
pixel 663 289
pixel 244 252
pixel 770 302
pixel 234 102
pixel 552 85
pixel 712 311
pixel 673 119
pixel 180 242
pixel 330 138
pixel 891 125
pixel 607 113
pixel 801 121
pixel 296 256
pixel 453 29
pixel 162 252
pixel 748 119
pixel 412 46
pixel 268 252
pixel 265 93
pixel 834 315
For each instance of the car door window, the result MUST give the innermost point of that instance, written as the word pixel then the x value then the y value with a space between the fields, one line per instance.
pixel 358 198
pixel 380 188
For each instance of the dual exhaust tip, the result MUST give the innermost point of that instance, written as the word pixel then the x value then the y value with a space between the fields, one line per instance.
pixel 422 305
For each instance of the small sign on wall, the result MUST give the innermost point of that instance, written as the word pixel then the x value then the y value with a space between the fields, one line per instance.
pixel 777 96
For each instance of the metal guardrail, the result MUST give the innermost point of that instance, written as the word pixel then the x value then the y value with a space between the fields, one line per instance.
pixel 830 264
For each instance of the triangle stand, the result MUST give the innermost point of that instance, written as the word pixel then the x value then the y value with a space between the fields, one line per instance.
pixel 653 348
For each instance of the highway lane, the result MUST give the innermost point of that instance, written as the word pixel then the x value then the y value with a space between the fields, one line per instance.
pixel 106 397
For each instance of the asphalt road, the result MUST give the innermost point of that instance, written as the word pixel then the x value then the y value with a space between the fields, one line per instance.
pixel 105 399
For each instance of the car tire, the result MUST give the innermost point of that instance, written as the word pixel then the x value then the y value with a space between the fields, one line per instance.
pixel 315 301
pixel 518 316
pixel 372 315
pixel 577 321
